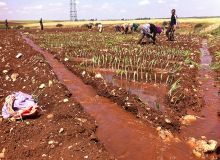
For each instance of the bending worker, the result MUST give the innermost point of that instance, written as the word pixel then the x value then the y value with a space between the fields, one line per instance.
pixel 134 27
pixel 126 28
pixel 117 28
pixel 100 27
pixel 150 31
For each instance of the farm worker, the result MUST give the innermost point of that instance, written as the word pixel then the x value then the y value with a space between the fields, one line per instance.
pixel 125 28
pixel 6 24
pixel 41 24
pixel 135 27
pixel 117 28
pixel 100 27
pixel 173 23
pixel 90 26
pixel 150 31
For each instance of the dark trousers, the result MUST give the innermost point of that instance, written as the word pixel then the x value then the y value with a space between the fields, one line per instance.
pixel 126 29
pixel 6 27
pixel 149 36
pixel 42 26
pixel 170 28
pixel 117 29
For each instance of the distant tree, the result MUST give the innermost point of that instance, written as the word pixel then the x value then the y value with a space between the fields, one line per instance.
pixel 59 25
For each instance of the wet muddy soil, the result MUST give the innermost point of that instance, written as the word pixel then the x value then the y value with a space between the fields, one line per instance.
pixel 209 123
pixel 151 94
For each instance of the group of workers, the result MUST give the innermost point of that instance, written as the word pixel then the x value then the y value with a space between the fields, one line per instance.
pixel 125 28
pixel 147 30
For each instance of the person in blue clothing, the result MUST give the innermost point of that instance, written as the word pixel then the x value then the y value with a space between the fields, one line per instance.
pixel 150 31
pixel 173 24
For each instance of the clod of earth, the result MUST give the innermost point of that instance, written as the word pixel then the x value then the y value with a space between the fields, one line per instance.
pixel 7 77
pixel 166 135
pixel 83 73
pixel 26 33
pixel 14 76
pixel 219 113
pixel 5 71
pixel 44 155
pixel 51 142
pixel 2 154
pixel 83 120
pixel 50 83
pixel 50 116
pixel 168 121
pixel 61 130
pixel 98 76
pixel 191 66
pixel 42 86
pixel 188 119
pixel 19 55
pixel 201 147
pixel 65 100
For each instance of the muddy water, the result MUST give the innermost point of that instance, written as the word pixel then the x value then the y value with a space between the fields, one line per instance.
pixel 122 134
pixel 151 94
pixel 209 123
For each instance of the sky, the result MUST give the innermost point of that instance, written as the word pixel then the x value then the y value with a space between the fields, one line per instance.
pixel 106 9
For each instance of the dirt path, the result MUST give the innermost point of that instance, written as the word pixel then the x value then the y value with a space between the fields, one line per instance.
pixel 122 134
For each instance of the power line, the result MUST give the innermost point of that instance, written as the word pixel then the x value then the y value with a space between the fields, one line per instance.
pixel 73 10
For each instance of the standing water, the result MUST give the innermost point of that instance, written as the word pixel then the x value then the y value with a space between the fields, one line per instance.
pixel 151 94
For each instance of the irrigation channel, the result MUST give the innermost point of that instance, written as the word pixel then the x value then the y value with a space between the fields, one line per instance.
pixel 209 123
pixel 123 135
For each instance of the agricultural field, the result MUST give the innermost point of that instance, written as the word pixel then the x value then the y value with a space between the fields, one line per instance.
pixel 126 97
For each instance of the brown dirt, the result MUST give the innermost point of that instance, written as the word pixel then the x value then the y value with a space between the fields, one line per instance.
pixel 214 47
pixel 29 139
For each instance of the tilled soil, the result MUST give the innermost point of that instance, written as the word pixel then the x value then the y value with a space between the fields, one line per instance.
pixel 63 130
